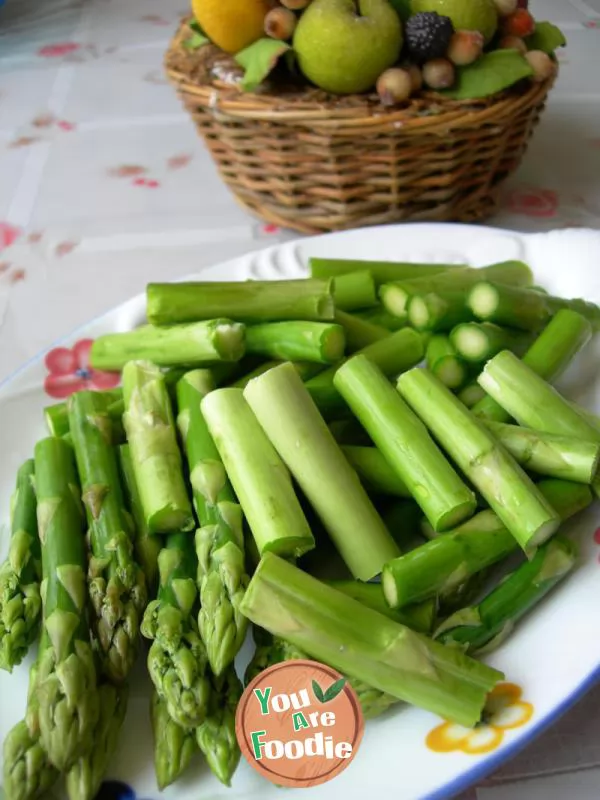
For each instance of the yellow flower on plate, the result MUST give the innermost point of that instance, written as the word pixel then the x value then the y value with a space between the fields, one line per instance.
pixel 504 711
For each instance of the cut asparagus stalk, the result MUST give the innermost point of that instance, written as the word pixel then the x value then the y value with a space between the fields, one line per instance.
pixel 374 471
pixel 509 491
pixel 292 422
pixel 340 631
pixel 85 778
pixel 174 746
pixel 249 301
pixel 395 296
pixel 471 394
pixel 522 308
pixel 418 617
pixel 442 565
pixel 483 628
pixel 437 311
pixel 394 354
pixel 305 369
pixel 157 466
pixel 220 538
pixel 194 344
pixel 405 443
pixel 146 546
pixel 354 290
pixel 382 271
pixel 549 356
pixel 402 519
pixel 20 575
pixel 478 342
pixel 116 583
pixel 319 342
pixel 216 736
pixel 547 454
pixel 259 477
pixel 177 660
pixel 66 688
pixel 445 363
pixel 57 415
pixel 380 317
pixel 358 332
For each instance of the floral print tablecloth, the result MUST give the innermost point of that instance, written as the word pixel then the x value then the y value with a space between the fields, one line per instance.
pixel 104 185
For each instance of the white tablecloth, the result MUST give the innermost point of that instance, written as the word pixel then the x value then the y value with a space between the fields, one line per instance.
pixel 104 186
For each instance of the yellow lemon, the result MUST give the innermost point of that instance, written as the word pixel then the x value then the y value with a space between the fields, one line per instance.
pixel 231 24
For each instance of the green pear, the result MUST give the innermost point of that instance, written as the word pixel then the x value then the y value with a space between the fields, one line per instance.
pixel 343 46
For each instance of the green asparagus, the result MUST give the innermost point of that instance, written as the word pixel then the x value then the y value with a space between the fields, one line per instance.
pixel 216 735
pixel 471 394
pixel 354 290
pixel 306 370
pixel 374 471
pixel 152 437
pixel 174 746
pixel 418 617
pixel 20 575
pixel 437 311
pixel 57 415
pixel 477 342
pixel 382 271
pixel 445 363
pixel 116 583
pixel 380 317
pixel 358 332
pixel 220 538
pixel 320 342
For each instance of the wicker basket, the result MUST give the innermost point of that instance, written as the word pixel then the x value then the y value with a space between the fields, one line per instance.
pixel 305 160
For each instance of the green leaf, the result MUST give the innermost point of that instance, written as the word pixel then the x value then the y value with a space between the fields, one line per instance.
pixel 492 73
pixel 402 8
pixel 334 689
pixel 547 37
pixel 318 692
pixel 198 39
pixel 258 60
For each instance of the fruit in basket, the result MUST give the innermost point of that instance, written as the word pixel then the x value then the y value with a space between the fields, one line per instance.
pixel 427 36
pixel 506 7
pixel 466 15
pixel 416 77
pixel 512 43
pixel 232 24
pixel 521 23
pixel 280 23
pixel 394 86
pixel 439 73
pixel 465 47
pixel 295 5
pixel 542 65
pixel 344 51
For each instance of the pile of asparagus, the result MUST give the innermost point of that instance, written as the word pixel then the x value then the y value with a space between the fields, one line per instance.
pixel 276 446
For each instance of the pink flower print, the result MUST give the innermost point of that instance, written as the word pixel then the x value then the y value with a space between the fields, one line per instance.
pixel 179 161
pixel 591 23
pixel 58 50
pixel 148 183
pixel 66 126
pixel 127 171
pixel 533 202
pixel 270 228
pixel 24 141
pixel 17 276
pixel 4 267
pixel 43 121
pixel 35 237
pixel 155 19
pixel 69 371
pixel 8 234
pixel 64 248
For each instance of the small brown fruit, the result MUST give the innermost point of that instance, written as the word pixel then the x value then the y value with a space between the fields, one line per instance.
pixel 512 43
pixel 295 5
pixel 416 77
pixel 280 23
pixel 394 86
pixel 542 65
pixel 506 7
pixel 465 47
pixel 439 73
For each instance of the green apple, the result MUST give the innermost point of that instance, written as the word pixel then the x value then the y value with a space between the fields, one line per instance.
pixel 466 15
pixel 343 46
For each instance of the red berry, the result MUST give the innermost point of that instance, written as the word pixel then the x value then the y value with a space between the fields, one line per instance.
pixel 521 24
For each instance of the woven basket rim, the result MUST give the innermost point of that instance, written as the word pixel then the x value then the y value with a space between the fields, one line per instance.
pixel 309 104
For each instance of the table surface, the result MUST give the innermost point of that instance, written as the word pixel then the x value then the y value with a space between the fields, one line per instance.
pixel 104 186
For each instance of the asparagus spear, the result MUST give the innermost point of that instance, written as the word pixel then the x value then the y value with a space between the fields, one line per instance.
pixel 405 443
pixel 57 415
pixel 374 471
pixel 20 574
pixel 471 394
pixel 338 630
pixel 437 311
pixel 379 316
pixel 249 301
pixel 382 271
pixel 446 562
pixel 157 466
pixel 394 354
pixel 216 735
pixel 220 538
pixel 86 776
pixel 445 363
pixel 174 746
pixel 522 308
pixel 306 370
pixel 321 342
pixel 396 295
pixel 354 290
pixel 482 628
pixel 478 342
pixel 145 545
pixel 547 454
pixel 549 356
pixel 292 422
pixel 358 332
pixel 195 343
pixel 492 470
pixel 418 617
pixel 66 688
pixel 177 660
pixel 116 583
pixel 259 477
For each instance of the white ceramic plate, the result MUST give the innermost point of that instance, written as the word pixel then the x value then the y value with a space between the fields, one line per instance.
pixel 553 657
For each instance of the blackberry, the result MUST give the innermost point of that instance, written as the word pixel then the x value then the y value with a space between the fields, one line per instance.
pixel 428 36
